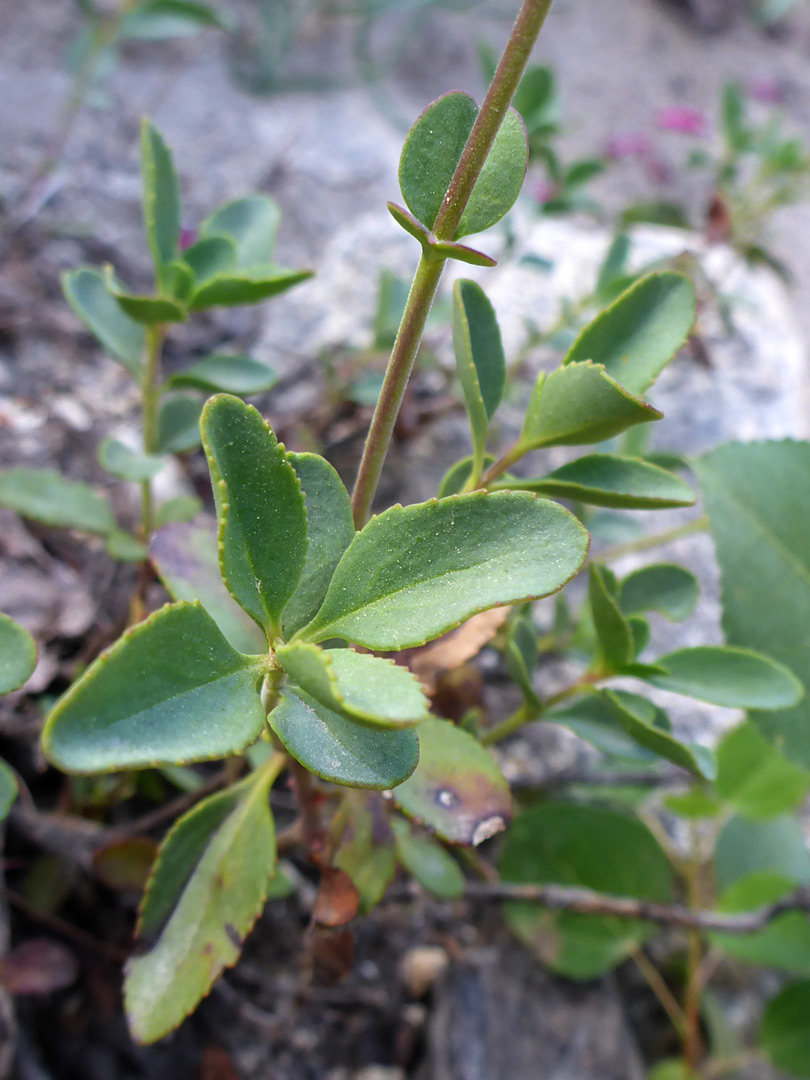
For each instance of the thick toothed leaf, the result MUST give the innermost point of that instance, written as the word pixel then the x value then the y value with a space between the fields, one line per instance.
pixel 747 847
pixel 18 655
pixel 179 423
pixel 414 573
pixel 361 687
pixel 260 507
pixel 207 889
pixel 641 331
pixel 8 788
pixel 593 719
pixel 730 676
pixel 605 480
pixel 330 529
pixel 122 337
pixel 148 310
pixel 161 202
pixel 426 860
pixel 365 846
pixel 344 751
pixel 625 714
pixel 181 508
pixel 231 374
pixel 457 791
pixel 580 404
pixel 250 224
pixel 171 690
pixel 757 497
pixel 433 149
pixel 785 1033
pixel 247 287
pixel 755 777
pixel 669 589
pixel 161 20
pixel 784 943
pixel 49 497
pixel 186 559
pixel 127 464
pixel 521 654
pixel 479 359
pixel 613 632
pixel 586 847
pixel 209 257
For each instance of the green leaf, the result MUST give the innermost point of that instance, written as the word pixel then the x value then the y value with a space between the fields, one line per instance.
pixel 186 559
pixel 633 722
pixel 434 868
pixel 637 336
pixel 179 281
pixel 161 203
pixel 231 374
pixel 785 1034
pixel 360 687
pixel 148 310
pixel 127 464
pixel 8 788
pixel 251 224
pixel 586 847
pixel 730 676
pixel 179 423
pixel 208 258
pixel 746 847
pixel 414 573
pixel 207 889
pixel 757 497
pixel 170 691
pixel 607 480
pixel 457 790
pixel 260 508
pixel 580 404
pixel 365 846
pixel 521 655
pixel 669 589
pixel 594 719
pixel 18 655
pixel 180 509
pixel 458 474
pixel 612 630
pixel 695 804
pixel 479 360
pixel 784 943
pixel 53 499
pixel 330 528
pixel 161 20
pixel 247 287
pixel 341 750
pixel 433 149
pixel 755 778
pixel 126 547
pixel 122 337
pixel 462 253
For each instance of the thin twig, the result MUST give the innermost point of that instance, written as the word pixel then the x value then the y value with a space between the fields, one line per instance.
pixel 586 902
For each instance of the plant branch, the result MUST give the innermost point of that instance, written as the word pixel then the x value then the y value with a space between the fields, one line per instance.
pixel 150 398
pixel 644 543
pixel 587 902
pixel 431 264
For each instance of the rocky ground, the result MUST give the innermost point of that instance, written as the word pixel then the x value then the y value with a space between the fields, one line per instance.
pixel 329 156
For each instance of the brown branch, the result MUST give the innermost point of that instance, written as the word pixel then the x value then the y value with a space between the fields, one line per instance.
pixel 586 902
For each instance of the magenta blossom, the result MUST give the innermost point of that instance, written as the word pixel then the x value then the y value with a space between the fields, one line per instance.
pixel 767 90
pixel 681 118
pixel 187 238
pixel 544 191
pixel 628 144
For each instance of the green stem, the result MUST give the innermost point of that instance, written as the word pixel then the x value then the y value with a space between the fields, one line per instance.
pixel 644 543
pixel 429 271
pixel 513 454
pixel 527 713
pixel 150 400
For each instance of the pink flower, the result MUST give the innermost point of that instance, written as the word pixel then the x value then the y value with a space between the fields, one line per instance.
pixel 628 144
pixel 681 118
pixel 769 91
pixel 544 191
pixel 187 238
